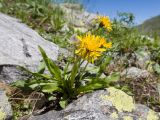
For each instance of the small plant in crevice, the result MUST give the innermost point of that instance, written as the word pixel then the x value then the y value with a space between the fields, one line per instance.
pixel 66 83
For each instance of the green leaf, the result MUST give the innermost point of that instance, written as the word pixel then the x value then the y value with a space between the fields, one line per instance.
pixel 93 85
pixel 42 76
pixel 63 103
pixel 19 83
pixel 55 69
pixel 157 68
pixel 89 88
pixel 114 77
pixel 96 86
pixel 35 74
pixel 1 5
pixel 49 88
pixel 51 97
pixel 33 86
pixel 107 60
pixel 41 67
pixel 73 73
pixel 46 59
pixel 44 84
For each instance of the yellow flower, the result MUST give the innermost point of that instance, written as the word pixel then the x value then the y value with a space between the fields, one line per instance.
pixel 90 47
pixel 105 21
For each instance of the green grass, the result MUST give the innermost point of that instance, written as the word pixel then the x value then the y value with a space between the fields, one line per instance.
pixel 38 14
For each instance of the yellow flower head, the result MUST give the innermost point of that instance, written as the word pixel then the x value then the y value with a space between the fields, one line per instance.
pixel 105 21
pixel 90 47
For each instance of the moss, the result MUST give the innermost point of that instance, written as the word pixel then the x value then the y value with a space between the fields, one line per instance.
pixel 120 100
pixel 114 115
pixel 127 118
pixel 152 115
pixel 2 115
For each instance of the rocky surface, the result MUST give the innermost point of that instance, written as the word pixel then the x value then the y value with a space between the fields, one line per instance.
pixel 78 18
pixel 5 107
pixel 19 47
pixel 109 104
pixel 142 57
pixel 135 73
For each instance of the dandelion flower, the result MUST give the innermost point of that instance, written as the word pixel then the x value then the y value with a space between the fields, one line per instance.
pixel 105 21
pixel 90 47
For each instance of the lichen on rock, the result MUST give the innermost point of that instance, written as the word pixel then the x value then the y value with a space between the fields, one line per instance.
pixel 114 115
pixel 127 118
pixel 152 115
pixel 120 100
pixel 2 115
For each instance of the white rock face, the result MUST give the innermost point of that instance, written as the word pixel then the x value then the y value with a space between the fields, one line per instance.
pixel 19 46
pixel 19 43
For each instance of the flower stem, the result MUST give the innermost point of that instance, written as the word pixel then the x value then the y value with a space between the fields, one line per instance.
pixel 83 71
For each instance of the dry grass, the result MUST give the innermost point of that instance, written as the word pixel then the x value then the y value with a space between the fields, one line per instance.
pixel 144 91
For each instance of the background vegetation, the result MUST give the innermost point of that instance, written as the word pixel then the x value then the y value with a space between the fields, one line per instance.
pixel 151 26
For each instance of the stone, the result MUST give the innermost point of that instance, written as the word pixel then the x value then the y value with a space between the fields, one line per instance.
pixel 19 47
pixel 5 107
pixel 70 115
pixel 52 115
pixel 78 18
pixel 134 73
pixel 109 104
pixel 142 57
pixel 71 6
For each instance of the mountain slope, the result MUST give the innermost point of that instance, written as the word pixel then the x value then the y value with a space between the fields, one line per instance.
pixel 151 26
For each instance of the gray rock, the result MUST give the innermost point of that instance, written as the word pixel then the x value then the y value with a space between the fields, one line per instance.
pixel 52 115
pixel 19 47
pixel 71 6
pixel 5 107
pixel 78 18
pixel 135 73
pixel 70 115
pixel 142 57
pixel 109 104
pixel 11 73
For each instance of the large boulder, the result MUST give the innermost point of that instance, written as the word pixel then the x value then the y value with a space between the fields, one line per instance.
pixel 19 47
pixel 109 104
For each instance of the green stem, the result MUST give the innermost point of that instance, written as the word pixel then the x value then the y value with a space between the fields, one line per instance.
pixel 81 62
pixel 83 71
